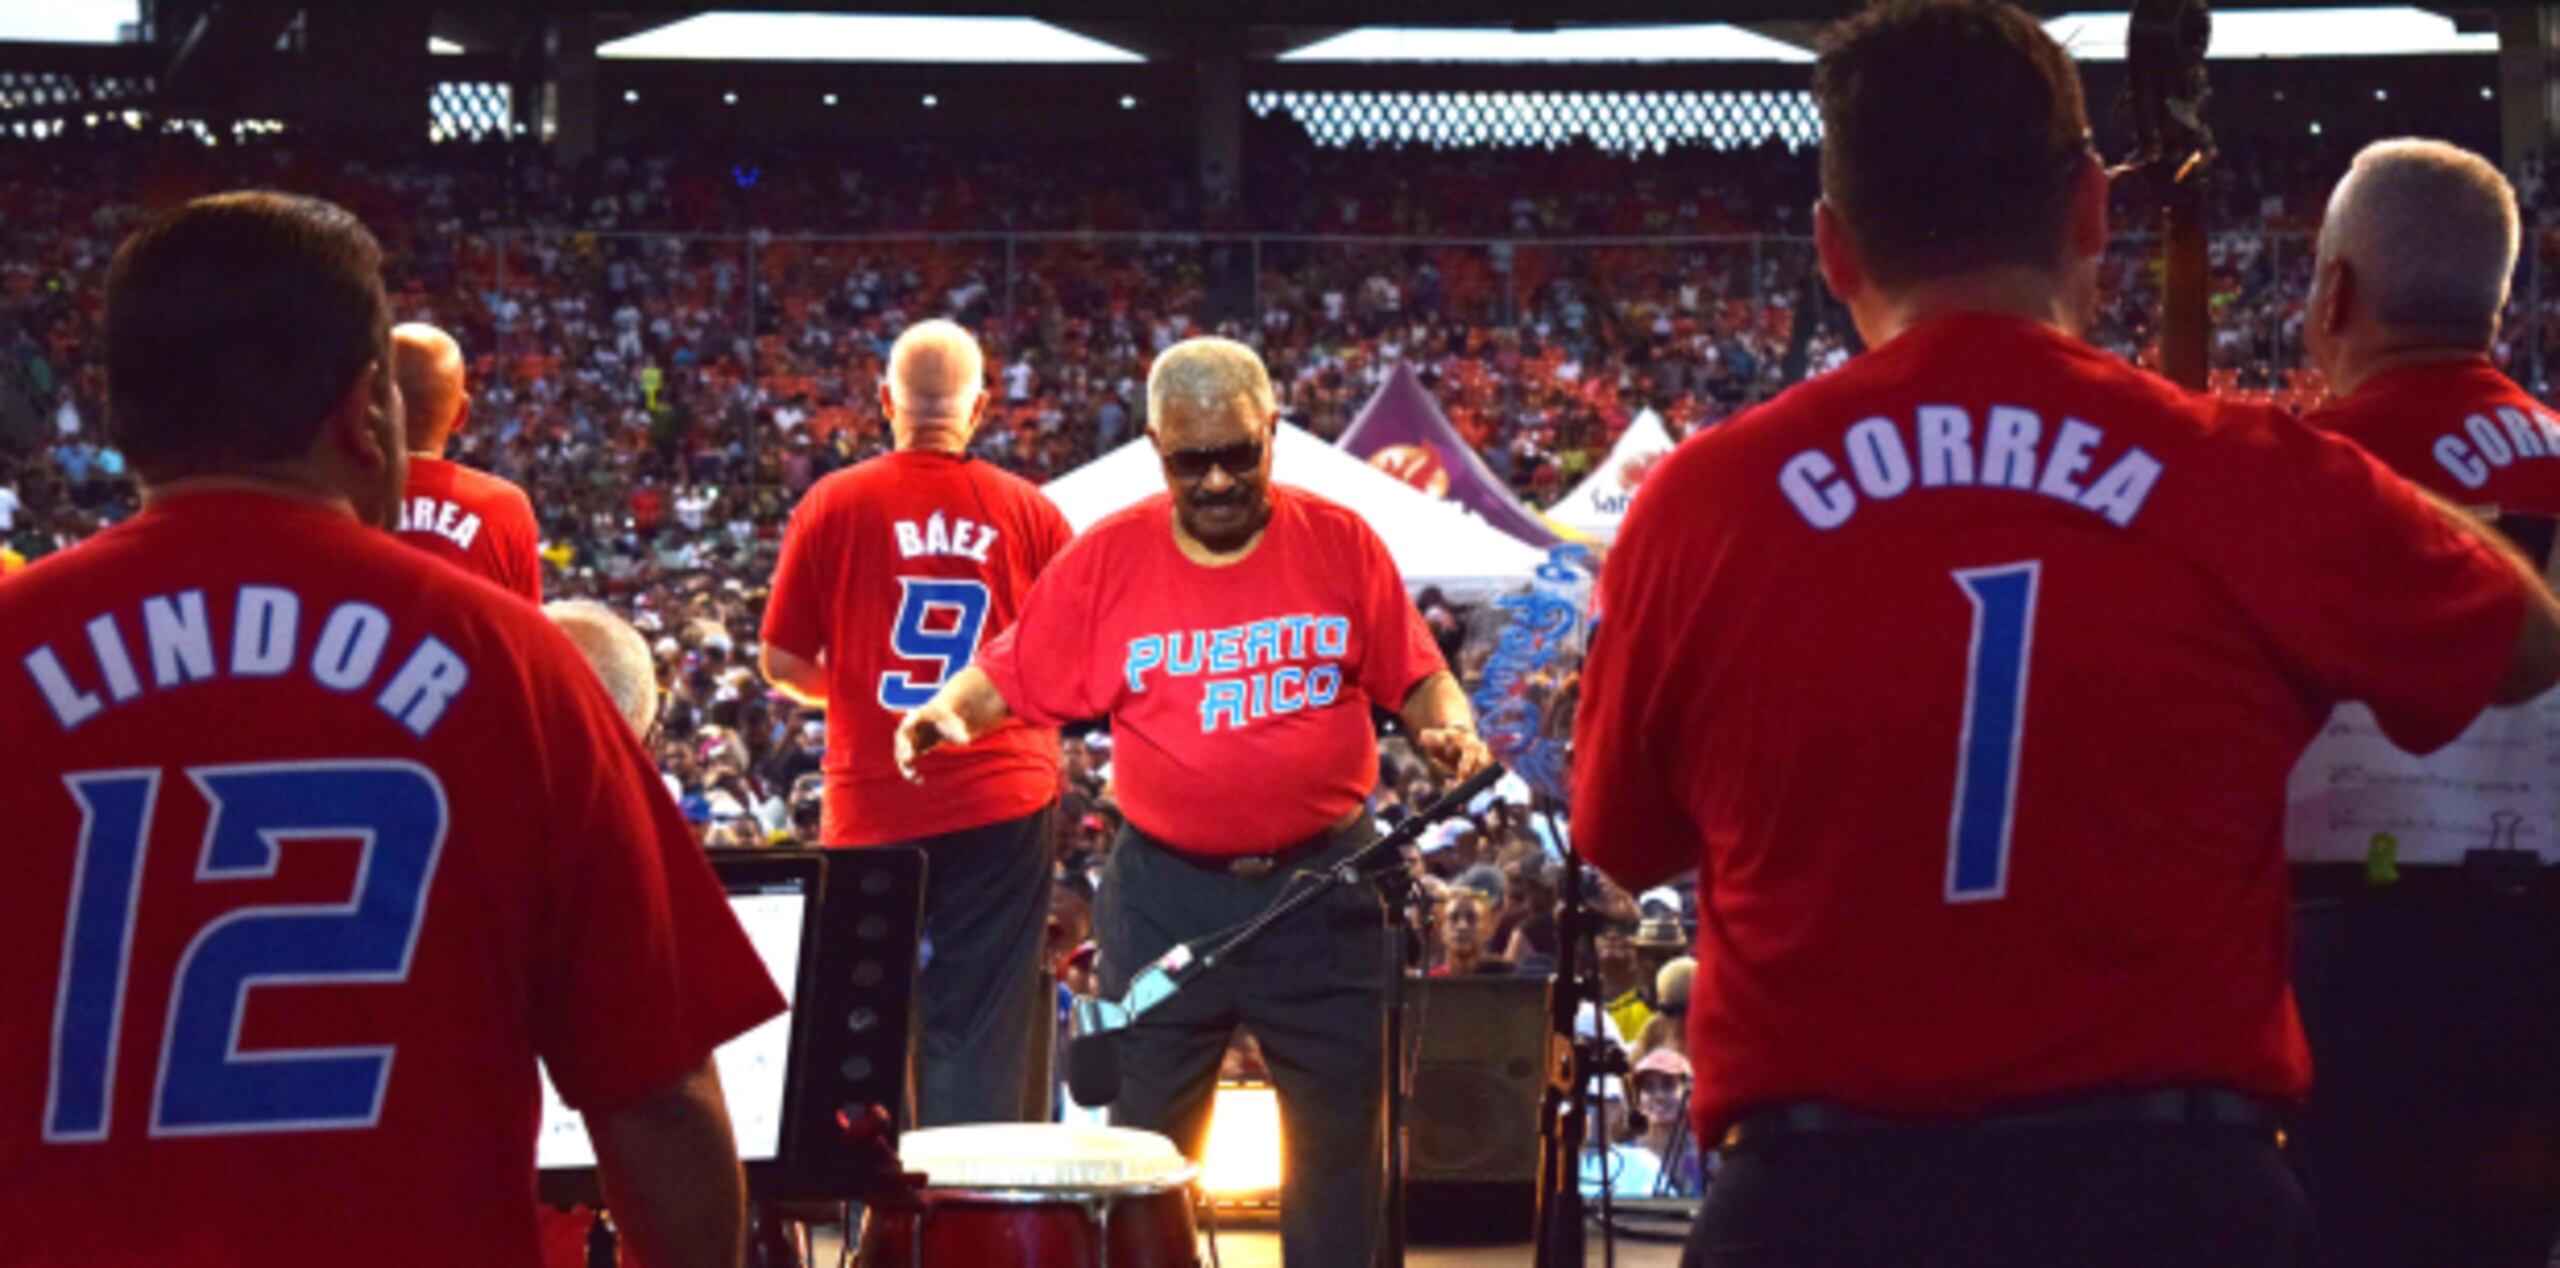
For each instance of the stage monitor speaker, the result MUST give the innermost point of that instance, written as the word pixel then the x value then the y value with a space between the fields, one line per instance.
pixel 1477 1047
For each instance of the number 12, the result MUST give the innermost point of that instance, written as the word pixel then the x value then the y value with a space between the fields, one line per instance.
pixel 1995 714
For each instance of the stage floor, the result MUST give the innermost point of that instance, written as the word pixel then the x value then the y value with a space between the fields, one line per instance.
pixel 1258 1246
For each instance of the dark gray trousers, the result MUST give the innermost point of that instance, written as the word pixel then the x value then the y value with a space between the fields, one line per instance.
pixel 1312 991
pixel 984 1002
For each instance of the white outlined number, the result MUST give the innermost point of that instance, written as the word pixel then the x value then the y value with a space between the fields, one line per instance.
pixel 205 1084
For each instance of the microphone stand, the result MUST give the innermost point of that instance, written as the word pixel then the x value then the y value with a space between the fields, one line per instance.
pixel 1567 1105
pixel 1380 862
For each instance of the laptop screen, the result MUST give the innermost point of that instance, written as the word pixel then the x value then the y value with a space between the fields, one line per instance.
pixel 754 1067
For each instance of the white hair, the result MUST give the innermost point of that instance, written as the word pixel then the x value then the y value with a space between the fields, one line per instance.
pixel 1208 372
pixel 936 370
pixel 618 653
pixel 2430 231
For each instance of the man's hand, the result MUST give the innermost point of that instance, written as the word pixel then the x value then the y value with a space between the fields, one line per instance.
pixel 1455 751
pixel 924 730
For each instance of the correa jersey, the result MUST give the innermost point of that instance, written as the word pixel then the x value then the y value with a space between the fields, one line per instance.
pixel 474 520
pixel 1239 696
pixel 2461 429
pixel 896 570
pixel 314 845
pixel 1969 676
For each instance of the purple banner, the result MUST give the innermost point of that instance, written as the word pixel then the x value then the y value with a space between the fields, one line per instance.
pixel 1402 432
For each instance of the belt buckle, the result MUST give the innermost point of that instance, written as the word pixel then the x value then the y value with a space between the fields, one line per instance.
pixel 1252 867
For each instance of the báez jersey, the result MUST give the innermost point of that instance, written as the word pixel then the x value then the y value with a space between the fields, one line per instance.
pixel 475 521
pixel 1970 675
pixel 314 845
pixel 896 571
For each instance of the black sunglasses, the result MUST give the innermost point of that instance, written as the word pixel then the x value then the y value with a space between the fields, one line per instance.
pixel 1239 459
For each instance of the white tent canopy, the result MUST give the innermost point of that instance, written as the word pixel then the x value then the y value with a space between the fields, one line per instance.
pixel 1434 543
pixel 1598 505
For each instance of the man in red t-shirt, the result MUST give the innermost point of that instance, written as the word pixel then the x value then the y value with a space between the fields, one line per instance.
pixel 2433 1134
pixel 480 523
pixel 1971 696
pixel 315 845
pixel 1236 634
pixel 892 574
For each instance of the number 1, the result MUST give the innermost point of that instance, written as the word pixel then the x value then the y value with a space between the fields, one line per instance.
pixel 1995 713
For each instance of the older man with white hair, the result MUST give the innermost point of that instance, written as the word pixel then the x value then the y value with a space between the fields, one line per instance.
pixel 2414 263
pixel 2433 1003
pixel 620 657
pixel 891 575
pixel 1236 633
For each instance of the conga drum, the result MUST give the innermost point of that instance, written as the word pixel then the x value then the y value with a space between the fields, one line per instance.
pixel 1037 1195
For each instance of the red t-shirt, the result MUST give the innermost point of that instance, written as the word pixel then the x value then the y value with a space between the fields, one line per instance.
pixel 475 521
pixel 2461 429
pixel 1919 897
pixel 1238 696
pixel 897 570
pixel 314 845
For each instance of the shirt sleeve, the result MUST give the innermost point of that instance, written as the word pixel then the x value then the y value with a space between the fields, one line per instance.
pixel 641 968
pixel 1398 651
pixel 793 614
pixel 1046 664
pixel 524 549
pixel 2359 582
pixel 1626 819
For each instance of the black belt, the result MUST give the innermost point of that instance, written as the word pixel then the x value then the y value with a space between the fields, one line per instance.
pixel 2190 1106
pixel 1251 867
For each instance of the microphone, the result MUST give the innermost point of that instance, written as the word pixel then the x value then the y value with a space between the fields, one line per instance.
pixel 1093 1068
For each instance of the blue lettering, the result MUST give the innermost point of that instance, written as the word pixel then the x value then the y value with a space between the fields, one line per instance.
pixel 1297 634
pixel 1226 699
pixel 1261 696
pixel 1226 653
pixel 1333 636
pixel 1261 644
pixel 1323 684
pixel 1186 667
pixel 1288 690
pixel 1144 654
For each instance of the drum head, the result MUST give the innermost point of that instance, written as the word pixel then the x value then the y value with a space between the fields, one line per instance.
pixel 1042 1156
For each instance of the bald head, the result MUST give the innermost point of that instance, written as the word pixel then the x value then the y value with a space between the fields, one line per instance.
pixel 428 366
pixel 937 387
pixel 620 657
pixel 2427 232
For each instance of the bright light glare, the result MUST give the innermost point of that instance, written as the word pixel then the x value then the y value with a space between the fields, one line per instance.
pixel 854 37
pixel 2099 37
pixel 1244 1142
pixel 67 21
pixel 1714 42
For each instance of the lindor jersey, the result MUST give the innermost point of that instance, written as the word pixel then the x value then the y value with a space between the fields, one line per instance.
pixel 314 845
pixel 1969 676
pixel 2459 428
pixel 1239 696
pixel 475 521
pixel 896 571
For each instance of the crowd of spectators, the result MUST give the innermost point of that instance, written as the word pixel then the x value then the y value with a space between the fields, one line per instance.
pixel 667 351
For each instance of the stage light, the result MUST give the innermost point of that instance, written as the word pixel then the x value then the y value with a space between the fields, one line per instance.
pixel 2382 94
pixel 2488 93
pixel 729 97
pixel 1128 103
pixel 1244 1144
pixel 831 99
pixel 630 95
pixel 930 101
pixel 2315 127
